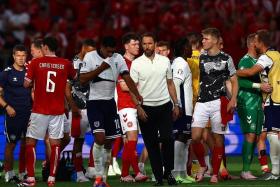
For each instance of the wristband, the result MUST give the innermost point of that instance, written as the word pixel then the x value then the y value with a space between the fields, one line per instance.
pixel 256 85
pixel 6 105
pixel 176 104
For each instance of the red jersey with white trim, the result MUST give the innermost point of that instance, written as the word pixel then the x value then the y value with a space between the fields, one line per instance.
pixel 49 75
pixel 124 98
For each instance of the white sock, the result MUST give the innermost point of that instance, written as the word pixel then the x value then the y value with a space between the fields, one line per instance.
pixel 207 161
pixel 141 166
pixel 51 178
pixel 106 162
pixel 98 152
pixel 179 157
pixel 274 152
pixel 114 160
pixel 80 174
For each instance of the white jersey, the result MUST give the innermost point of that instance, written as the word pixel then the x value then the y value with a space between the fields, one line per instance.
pixel 266 63
pixel 182 77
pixel 77 61
pixel 103 87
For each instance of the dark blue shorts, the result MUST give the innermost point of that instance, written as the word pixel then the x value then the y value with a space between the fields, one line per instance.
pixel 103 117
pixel 183 125
pixel 272 118
pixel 15 127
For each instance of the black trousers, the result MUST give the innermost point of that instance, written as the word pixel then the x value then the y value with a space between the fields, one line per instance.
pixel 158 129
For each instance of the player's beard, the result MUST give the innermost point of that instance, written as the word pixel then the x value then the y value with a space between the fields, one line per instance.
pixel 258 51
pixel 148 52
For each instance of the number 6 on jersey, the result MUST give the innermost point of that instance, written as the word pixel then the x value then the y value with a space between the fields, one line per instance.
pixel 50 86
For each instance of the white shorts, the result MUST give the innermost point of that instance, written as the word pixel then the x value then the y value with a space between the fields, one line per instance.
pixel 209 110
pixel 40 124
pixel 84 126
pixel 66 127
pixel 128 118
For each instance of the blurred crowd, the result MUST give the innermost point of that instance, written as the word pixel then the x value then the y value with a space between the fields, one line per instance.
pixel 72 21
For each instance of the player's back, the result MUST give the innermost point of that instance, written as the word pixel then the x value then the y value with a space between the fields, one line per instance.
pixel 50 74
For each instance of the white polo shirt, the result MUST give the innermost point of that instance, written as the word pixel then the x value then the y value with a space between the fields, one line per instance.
pixel 151 77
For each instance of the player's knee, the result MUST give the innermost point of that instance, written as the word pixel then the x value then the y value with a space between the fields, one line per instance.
pixel 132 135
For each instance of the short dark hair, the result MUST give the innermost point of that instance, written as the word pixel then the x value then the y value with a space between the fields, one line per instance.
pixel 163 43
pixel 19 47
pixel 264 37
pixel 149 34
pixel 130 36
pixel 89 42
pixel 109 41
pixel 180 45
pixel 51 42
pixel 195 38
pixel 250 38
pixel 37 43
pixel 212 31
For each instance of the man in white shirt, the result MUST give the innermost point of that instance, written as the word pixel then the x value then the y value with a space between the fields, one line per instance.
pixel 152 73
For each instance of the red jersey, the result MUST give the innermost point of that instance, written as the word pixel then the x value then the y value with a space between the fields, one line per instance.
pixel 49 75
pixel 124 98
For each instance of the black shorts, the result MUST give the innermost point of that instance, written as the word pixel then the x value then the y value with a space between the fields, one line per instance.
pixel 183 125
pixel 272 118
pixel 103 117
pixel 15 127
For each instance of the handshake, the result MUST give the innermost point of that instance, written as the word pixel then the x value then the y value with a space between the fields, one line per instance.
pixel 266 87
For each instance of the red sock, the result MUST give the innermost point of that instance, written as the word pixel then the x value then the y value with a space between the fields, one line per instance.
pixel 125 160
pixel 263 160
pixel 78 161
pixel 217 159
pixel 133 156
pixel 30 157
pixel 7 167
pixel 117 146
pixel 55 155
pixel 91 160
pixel 199 152
pixel 76 126
pixel 21 167
pixel 189 162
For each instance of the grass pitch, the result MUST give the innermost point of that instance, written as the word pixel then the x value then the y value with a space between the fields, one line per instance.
pixel 234 166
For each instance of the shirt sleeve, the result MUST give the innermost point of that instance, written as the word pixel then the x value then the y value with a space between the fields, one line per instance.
pixel 178 70
pixel 244 83
pixel 264 61
pixel 72 73
pixel 169 71
pixel 134 73
pixel 231 67
pixel 121 65
pixel 29 76
pixel 87 66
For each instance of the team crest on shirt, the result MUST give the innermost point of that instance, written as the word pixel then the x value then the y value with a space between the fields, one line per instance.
pixel 180 71
pixel 129 124
pixel 15 79
pixel 96 124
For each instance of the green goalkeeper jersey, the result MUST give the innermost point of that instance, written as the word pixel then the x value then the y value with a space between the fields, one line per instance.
pixel 249 97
